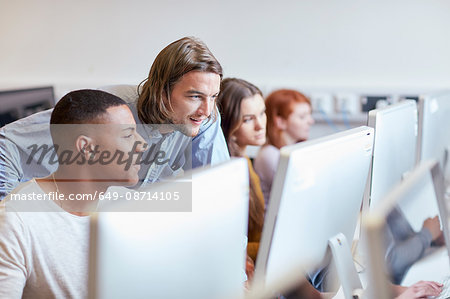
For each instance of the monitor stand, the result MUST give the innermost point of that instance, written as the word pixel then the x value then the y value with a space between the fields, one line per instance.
pixel 351 284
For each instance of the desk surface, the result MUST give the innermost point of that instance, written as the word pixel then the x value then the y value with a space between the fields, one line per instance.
pixel 434 266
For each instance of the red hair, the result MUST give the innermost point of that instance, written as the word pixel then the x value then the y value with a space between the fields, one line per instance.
pixel 281 103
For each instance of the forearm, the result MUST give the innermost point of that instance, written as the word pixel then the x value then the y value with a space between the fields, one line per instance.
pixel 403 254
pixel 397 289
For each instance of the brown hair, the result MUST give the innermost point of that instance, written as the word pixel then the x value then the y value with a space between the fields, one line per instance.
pixel 281 103
pixel 175 60
pixel 232 92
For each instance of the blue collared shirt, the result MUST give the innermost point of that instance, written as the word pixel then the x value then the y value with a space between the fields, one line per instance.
pixel 208 147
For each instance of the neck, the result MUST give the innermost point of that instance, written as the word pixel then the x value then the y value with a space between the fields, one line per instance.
pixel 79 193
pixel 286 139
pixel 240 151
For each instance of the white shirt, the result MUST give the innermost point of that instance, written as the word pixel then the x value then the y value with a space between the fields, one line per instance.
pixel 43 249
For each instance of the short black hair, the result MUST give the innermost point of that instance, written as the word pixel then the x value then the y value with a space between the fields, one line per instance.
pixel 83 106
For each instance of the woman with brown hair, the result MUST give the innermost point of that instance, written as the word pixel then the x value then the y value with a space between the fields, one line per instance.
pixel 289 119
pixel 244 123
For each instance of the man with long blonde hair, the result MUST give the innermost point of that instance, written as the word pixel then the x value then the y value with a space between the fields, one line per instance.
pixel 175 109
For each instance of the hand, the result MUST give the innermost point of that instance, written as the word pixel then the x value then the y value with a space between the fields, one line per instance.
pixel 421 289
pixel 440 241
pixel 434 227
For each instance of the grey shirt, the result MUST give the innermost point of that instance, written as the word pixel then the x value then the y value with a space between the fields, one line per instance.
pixel 405 246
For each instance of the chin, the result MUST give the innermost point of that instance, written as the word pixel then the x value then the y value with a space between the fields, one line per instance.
pixel 192 132
pixel 188 130
pixel 132 182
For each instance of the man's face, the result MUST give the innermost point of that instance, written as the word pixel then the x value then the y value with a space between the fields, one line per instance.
pixel 193 98
pixel 117 134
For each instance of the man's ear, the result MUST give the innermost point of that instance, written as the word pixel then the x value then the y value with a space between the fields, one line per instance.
pixel 84 144
pixel 280 123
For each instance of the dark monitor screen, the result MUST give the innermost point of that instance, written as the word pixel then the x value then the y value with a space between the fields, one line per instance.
pixel 19 103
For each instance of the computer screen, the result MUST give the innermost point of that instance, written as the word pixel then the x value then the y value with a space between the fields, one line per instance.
pixel 19 103
pixel 197 254
pixel 434 130
pixel 317 193
pixel 394 149
pixel 418 196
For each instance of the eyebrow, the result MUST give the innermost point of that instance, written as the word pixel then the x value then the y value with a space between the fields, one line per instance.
pixel 248 115
pixel 254 114
pixel 129 128
pixel 198 92
pixel 194 92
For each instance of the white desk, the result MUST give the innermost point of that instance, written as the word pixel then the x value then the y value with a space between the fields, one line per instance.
pixel 434 267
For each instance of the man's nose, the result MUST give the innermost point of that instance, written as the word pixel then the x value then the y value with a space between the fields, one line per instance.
pixel 206 106
pixel 142 145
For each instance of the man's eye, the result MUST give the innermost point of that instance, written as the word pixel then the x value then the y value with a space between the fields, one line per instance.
pixel 128 136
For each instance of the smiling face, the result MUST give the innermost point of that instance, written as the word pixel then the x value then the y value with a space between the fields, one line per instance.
pixel 299 122
pixel 116 133
pixel 252 130
pixel 193 98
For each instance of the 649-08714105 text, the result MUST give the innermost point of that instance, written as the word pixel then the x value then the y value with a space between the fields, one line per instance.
pixel 141 196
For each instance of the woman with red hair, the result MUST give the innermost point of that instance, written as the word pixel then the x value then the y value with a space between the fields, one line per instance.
pixel 289 119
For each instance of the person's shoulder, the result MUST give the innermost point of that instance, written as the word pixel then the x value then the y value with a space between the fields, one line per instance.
pixel 267 151
pixel 27 196
pixel 271 148
pixel 39 118
pixel 266 159
pixel 128 93
pixel 26 187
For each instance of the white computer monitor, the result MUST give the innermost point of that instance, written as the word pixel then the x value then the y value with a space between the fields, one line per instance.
pixel 434 130
pixel 419 196
pixel 317 194
pixel 394 149
pixel 197 254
